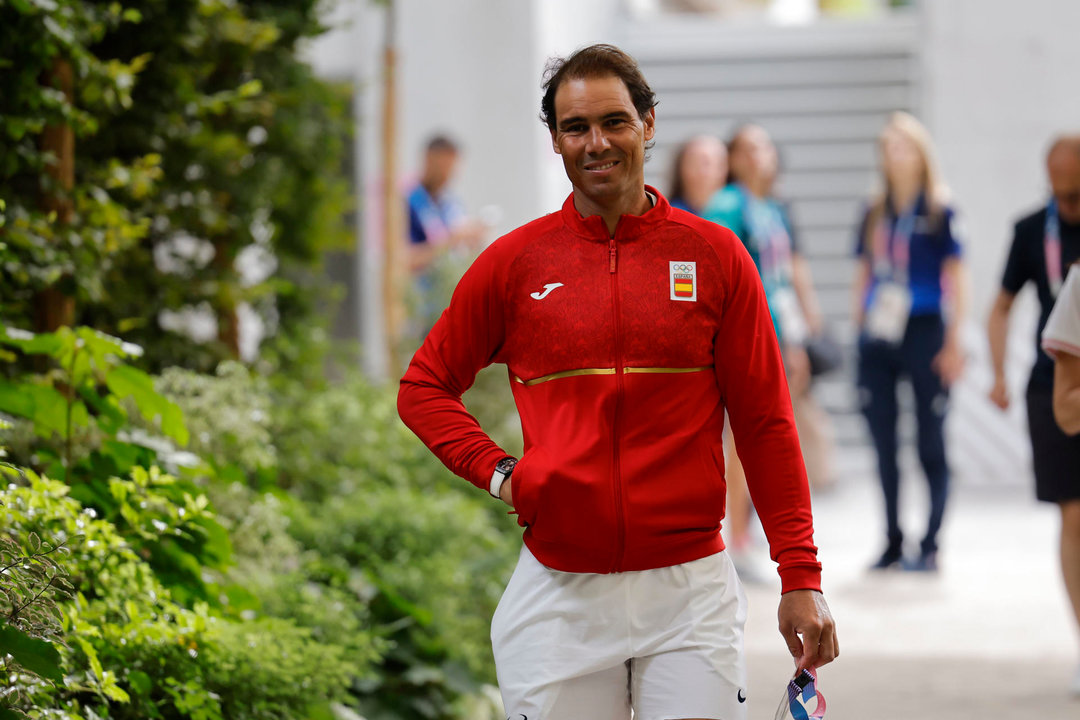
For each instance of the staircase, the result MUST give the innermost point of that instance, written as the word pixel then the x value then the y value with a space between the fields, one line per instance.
pixel 823 92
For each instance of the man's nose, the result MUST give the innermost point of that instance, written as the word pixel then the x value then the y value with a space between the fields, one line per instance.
pixel 597 140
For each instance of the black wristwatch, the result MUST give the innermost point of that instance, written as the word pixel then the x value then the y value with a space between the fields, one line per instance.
pixel 503 470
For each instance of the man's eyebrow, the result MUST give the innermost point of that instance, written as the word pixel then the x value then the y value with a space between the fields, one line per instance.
pixel 563 122
pixel 616 114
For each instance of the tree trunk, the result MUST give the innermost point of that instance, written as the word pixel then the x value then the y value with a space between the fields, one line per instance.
pixel 393 208
pixel 228 320
pixel 52 307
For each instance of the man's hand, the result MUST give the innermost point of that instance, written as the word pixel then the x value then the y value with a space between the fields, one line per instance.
pixel 506 491
pixel 805 613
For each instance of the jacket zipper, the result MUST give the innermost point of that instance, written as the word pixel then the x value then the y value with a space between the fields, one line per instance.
pixel 620 529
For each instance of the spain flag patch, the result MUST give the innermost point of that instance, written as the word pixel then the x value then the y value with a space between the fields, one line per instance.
pixel 682 276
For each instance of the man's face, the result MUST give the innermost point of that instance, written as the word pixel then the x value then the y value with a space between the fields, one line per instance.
pixel 1064 171
pixel 439 167
pixel 601 138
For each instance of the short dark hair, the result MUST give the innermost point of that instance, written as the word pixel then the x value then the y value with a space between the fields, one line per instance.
pixel 442 143
pixel 592 62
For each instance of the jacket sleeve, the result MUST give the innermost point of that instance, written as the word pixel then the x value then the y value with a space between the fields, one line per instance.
pixel 750 372
pixel 464 340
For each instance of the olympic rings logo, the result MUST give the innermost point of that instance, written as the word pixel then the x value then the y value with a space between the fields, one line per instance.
pixel 682 268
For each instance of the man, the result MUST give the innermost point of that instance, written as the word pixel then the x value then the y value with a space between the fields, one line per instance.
pixel 437 224
pixel 1043 244
pixel 627 328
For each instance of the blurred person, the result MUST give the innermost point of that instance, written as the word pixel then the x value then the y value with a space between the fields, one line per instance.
pixel 1044 243
pixel 438 224
pixel 627 327
pixel 747 205
pixel 699 170
pixel 909 265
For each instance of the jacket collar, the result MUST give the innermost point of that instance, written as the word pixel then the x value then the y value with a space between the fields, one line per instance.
pixel 629 226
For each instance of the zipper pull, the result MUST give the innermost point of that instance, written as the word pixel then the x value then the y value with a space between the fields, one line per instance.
pixel 611 245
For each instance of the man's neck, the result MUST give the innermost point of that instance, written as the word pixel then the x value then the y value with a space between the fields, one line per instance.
pixel 639 204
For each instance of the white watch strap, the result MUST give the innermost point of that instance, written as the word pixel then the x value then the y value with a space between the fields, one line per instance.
pixel 497 479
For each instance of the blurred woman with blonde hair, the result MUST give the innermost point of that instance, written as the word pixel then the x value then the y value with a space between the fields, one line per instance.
pixel 910 298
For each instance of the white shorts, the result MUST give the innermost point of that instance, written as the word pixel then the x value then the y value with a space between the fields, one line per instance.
pixel 666 642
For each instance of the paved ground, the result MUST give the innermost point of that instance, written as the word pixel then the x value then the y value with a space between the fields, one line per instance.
pixel 989 637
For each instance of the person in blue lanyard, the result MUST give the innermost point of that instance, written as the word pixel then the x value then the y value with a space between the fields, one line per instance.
pixel 747 206
pixel 1044 245
pixel 908 256
pixel 437 224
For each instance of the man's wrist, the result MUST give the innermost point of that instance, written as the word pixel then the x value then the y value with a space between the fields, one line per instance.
pixel 501 474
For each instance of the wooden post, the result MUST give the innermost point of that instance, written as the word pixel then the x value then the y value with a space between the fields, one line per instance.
pixel 394 259
pixel 52 307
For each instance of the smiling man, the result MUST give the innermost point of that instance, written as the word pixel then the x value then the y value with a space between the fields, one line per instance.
pixel 628 327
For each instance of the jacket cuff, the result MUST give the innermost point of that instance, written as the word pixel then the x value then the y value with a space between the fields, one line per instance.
pixel 480 475
pixel 800 577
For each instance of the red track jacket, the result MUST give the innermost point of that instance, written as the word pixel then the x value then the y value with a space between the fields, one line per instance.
pixel 623 354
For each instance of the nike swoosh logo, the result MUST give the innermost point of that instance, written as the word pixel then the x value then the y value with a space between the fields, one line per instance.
pixel 547 290
pixel 742 697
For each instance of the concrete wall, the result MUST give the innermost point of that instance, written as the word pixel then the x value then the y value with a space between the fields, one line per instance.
pixel 1000 80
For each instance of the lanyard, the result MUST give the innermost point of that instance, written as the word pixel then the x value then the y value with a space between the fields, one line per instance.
pixel 801 690
pixel 1052 248
pixel 770 235
pixel 892 252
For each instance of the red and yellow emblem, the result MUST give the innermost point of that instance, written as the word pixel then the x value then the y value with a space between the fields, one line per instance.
pixel 682 276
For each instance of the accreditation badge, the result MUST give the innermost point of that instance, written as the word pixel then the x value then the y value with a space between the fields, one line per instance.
pixel 890 308
pixel 785 304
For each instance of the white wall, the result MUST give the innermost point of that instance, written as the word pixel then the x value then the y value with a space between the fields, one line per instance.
pixel 1001 79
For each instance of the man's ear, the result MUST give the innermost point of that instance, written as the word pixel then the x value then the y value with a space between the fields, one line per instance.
pixel 555 143
pixel 650 124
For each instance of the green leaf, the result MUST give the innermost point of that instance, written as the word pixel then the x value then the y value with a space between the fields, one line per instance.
pixel 51 344
pixel 44 405
pixel 37 656
pixel 112 690
pixel 172 423
pixel 140 682
pixel 92 656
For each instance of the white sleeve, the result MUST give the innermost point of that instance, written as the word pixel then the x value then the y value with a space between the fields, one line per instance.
pixel 1062 331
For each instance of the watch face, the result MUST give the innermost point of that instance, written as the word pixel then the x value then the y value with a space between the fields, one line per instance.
pixel 506 465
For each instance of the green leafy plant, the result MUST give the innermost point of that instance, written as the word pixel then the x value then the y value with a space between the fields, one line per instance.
pixel 79 403
pixel 32 584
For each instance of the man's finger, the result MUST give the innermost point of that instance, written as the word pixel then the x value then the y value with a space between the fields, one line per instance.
pixel 810 642
pixel 829 649
pixel 794 643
